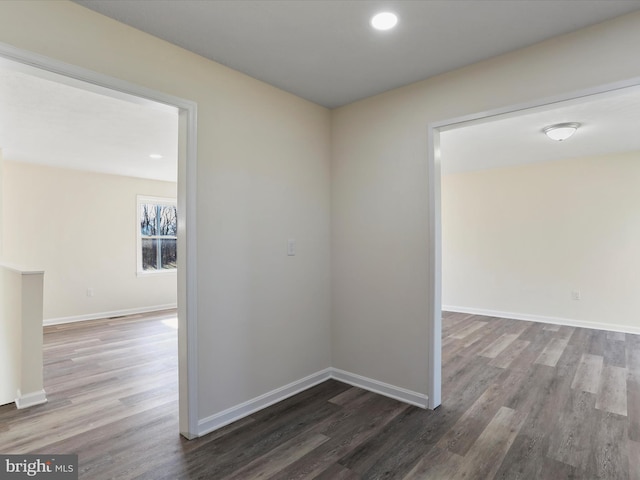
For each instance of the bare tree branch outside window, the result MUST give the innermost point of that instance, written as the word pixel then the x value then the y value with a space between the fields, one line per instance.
pixel 159 230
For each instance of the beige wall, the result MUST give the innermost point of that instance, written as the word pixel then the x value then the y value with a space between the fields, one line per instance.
pixel 21 367
pixel 10 334
pixel 264 160
pixel 1 202
pixel 380 198
pixel 521 239
pixel 9 325
pixel 263 177
pixel 80 228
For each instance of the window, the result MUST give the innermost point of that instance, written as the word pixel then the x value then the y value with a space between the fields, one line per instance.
pixel 157 234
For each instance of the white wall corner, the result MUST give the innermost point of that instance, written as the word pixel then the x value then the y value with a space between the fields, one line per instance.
pixel 30 399
pixel 237 412
pixel 391 391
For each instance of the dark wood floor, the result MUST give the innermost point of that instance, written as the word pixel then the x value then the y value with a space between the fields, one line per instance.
pixel 521 400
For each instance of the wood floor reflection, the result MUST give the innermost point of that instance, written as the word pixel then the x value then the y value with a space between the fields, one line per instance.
pixel 521 400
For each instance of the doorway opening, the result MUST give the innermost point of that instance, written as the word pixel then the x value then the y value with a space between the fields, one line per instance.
pixel 186 198
pixel 434 162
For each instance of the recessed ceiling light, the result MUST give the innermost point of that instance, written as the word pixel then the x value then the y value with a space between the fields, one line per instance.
pixel 155 156
pixel 561 131
pixel 384 21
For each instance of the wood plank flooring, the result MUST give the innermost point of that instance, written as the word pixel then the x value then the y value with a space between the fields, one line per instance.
pixel 521 400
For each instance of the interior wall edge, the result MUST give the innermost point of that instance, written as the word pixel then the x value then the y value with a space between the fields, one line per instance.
pixel 566 322
pixel 397 393
pixel 237 412
pixel 31 399
pixel 111 314
pixel 242 410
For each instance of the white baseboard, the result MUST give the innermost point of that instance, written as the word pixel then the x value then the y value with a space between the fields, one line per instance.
pixel 230 415
pixel 569 322
pixel 397 393
pixel 30 399
pixel 101 315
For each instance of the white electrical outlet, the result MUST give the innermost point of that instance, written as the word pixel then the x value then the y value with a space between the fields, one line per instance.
pixel 575 294
pixel 291 247
pixel 90 292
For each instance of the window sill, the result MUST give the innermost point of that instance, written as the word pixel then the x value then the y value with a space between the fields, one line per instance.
pixel 156 273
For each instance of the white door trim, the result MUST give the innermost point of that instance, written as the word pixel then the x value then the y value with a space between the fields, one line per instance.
pixel 434 295
pixel 187 163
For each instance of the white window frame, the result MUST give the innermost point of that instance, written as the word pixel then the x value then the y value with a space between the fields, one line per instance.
pixel 142 199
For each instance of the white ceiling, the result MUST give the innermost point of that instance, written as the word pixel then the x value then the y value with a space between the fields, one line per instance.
pixel 45 120
pixel 325 51
pixel 609 125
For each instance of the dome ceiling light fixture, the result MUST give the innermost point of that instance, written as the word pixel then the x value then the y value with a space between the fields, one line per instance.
pixel 384 21
pixel 561 131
